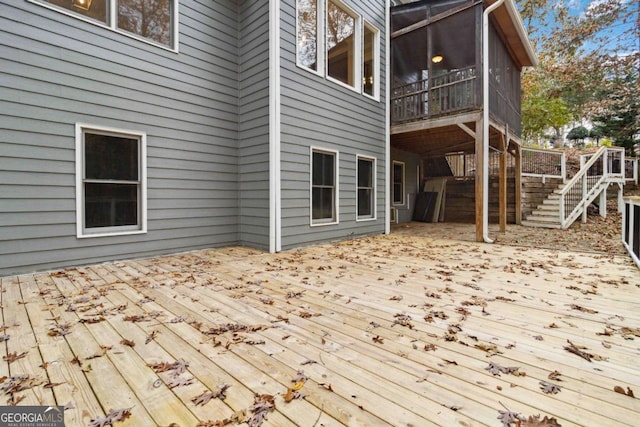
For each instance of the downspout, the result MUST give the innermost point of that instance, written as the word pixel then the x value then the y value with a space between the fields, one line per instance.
pixel 485 119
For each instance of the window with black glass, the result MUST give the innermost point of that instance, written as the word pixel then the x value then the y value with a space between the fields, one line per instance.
pixel 323 187
pixel 111 182
pixel 150 19
pixel 366 189
pixel 398 183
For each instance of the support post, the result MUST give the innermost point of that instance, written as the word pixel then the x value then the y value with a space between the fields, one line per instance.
pixel 518 172
pixel 480 159
pixel 603 203
pixel 502 184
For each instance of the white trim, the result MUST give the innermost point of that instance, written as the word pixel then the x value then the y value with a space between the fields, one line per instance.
pixel 275 190
pixel 376 60
pixel 336 196
pixel 404 183
pixel 374 195
pixel 357 48
pixel 319 71
pixel 81 233
pixel 111 25
pixel 387 124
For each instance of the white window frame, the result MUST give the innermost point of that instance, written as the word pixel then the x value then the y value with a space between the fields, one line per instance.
pixel 141 227
pixel 357 48
pixel 112 22
pixel 336 194
pixel 376 61
pixel 404 171
pixel 319 42
pixel 374 192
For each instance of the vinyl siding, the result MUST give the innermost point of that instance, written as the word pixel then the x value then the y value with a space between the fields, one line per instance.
pixel 320 113
pixel 57 71
pixel 253 141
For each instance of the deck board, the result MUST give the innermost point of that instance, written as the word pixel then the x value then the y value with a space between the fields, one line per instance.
pixel 332 311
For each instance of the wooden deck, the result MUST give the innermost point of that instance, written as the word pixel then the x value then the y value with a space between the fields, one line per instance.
pixel 402 330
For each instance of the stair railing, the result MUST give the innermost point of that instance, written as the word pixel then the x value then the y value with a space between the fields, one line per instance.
pixel 604 167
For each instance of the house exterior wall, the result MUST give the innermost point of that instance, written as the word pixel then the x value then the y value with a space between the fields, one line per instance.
pixel 319 113
pixel 58 70
pixel 253 131
pixel 205 109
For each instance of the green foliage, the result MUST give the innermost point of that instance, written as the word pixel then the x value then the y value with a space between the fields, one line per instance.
pixel 606 142
pixel 578 133
pixel 541 109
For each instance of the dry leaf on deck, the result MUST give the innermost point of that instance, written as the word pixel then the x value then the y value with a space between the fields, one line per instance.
pixel 112 417
pixel 206 396
pixel 12 357
pixel 262 405
pixel 620 390
pixel 129 343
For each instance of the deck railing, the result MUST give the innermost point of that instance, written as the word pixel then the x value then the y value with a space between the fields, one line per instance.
pixel 631 170
pixel 544 163
pixel 631 227
pixel 435 96
pixel 602 168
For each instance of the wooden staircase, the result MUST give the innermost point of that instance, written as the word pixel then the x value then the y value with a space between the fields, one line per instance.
pixel 547 215
pixel 570 201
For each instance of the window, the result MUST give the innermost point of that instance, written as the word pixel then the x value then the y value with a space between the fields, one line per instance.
pixel 366 187
pixel 308 29
pixel 110 182
pixel 398 183
pixel 371 61
pixel 151 20
pixel 343 57
pixel 324 189
pixel 338 45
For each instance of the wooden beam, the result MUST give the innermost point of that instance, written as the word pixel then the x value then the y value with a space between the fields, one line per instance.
pixel 479 182
pixel 435 123
pixel 502 184
pixel 465 128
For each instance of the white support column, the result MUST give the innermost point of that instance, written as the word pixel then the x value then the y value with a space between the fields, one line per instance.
pixel 620 198
pixel 584 196
pixel 603 203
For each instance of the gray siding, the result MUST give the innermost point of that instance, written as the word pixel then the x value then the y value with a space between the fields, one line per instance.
pixel 320 113
pixel 58 70
pixel 253 141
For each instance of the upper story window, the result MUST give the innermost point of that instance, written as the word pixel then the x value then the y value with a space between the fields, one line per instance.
pixel 308 19
pixel 371 61
pixel 343 55
pixel 332 40
pixel 152 20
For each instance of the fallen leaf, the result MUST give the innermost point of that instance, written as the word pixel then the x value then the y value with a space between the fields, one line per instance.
pixel 206 396
pixel 12 357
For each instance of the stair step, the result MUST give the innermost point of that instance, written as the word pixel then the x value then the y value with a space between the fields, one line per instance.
pixel 549 207
pixel 529 223
pixel 544 218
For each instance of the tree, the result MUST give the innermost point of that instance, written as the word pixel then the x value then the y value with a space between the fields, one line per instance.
pixel 578 133
pixel 542 107
pixel 590 60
